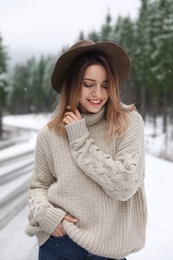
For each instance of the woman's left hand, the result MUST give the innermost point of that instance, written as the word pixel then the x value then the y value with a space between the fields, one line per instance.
pixel 72 116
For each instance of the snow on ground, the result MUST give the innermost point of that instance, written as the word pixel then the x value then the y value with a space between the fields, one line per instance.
pixel 159 192
pixel 156 142
pixel 18 149
pixel 29 121
pixel 15 245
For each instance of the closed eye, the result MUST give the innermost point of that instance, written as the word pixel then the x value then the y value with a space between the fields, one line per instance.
pixel 87 85
pixel 105 86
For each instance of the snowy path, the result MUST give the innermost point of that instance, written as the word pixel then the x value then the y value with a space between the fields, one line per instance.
pixel 15 245
pixel 159 190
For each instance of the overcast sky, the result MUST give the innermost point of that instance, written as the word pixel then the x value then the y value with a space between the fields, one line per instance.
pixel 32 27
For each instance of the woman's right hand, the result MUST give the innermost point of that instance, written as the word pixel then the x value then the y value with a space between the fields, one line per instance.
pixel 59 231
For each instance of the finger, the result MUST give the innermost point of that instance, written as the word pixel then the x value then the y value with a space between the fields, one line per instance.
pixel 71 114
pixel 58 234
pixel 77 113
pixel 70 109
pixel 67 121
pixel 70 219
pixel 59 231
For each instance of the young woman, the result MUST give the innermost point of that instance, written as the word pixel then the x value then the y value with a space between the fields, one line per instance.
pixel 86 195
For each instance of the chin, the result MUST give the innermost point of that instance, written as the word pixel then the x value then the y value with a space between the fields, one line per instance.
pixel 94 111
pixel 89 109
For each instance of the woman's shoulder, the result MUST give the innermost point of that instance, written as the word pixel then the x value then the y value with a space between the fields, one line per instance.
pixel 135 120
pixel 45 132
pixel 134 115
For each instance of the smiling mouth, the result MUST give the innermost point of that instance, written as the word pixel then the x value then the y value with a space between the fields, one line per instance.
pixel 94 102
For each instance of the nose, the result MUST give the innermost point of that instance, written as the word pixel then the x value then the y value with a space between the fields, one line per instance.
pixel 97 91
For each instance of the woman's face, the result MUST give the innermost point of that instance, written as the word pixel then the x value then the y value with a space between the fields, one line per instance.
pixel 94 92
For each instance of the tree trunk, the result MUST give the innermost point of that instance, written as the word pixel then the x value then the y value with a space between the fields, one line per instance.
pixel 154 114
pixel 164 113
pixel 143 102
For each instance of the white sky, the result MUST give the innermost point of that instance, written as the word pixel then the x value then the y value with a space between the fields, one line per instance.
pixel 44 26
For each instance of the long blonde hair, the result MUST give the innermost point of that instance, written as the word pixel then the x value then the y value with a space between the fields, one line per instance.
pixel 115 110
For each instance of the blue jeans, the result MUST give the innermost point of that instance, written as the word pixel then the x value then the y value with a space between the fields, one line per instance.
pixel 63 248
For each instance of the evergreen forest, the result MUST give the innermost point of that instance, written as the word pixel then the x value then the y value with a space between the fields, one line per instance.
pixel 148 39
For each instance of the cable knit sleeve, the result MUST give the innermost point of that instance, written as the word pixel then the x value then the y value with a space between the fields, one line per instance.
pixel 43 215
pixel 121 174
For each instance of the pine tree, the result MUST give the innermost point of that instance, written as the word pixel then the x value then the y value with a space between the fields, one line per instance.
pixel 94 36
pixel 30 86
pixel 141 54
pixel 106 29
pixel 20 94
pixel 161 57
pixel 166 57
pixel 81 36
pixel 124 35
pixel 50 96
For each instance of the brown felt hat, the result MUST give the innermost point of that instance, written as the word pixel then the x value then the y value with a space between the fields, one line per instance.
pixel 116 53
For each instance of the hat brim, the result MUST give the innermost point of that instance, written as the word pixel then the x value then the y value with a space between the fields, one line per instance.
pixel 116 53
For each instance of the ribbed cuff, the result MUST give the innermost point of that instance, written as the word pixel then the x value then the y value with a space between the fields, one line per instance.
pixel 51 220
pixel 76 129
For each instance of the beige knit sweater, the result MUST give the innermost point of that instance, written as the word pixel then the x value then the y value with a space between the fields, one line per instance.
pixel 100 183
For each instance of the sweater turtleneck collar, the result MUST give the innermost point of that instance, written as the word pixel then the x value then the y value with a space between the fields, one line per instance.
pixel 93 118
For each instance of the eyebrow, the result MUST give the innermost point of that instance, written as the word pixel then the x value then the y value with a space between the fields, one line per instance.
pixel 94 80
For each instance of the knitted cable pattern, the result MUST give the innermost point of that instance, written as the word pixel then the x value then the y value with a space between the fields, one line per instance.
pixel 119 178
